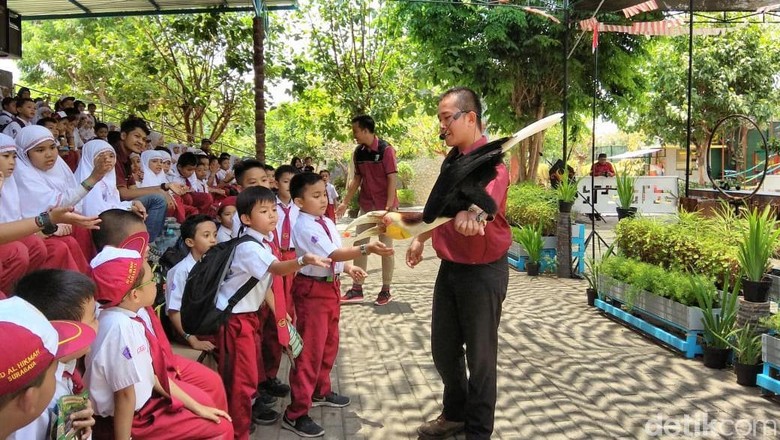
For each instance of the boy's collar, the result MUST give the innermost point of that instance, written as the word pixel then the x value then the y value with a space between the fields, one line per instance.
pixel 259 235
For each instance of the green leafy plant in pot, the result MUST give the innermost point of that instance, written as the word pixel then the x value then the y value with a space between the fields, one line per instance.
pixel 566 192
pixel 754 251
pixel 625 190
pixel 591 275
pixel 530 238
pixel 718 325
pixel 746 344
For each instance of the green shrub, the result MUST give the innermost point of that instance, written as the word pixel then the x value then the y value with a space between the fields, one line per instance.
pixel 530 204
pixel 405 174
pixel 530 237
pixel 671 284
pixel 405 197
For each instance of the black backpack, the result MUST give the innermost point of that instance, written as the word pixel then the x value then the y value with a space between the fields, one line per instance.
pixel 199 313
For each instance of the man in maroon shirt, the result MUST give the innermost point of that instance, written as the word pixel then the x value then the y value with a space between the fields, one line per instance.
pixel 376 175
pixel 470 287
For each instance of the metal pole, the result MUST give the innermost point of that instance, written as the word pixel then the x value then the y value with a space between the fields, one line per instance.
pixel 565 79
pixel 690 86
pixel 593 150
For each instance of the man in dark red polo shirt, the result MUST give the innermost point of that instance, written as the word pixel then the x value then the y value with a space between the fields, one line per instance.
pixel 375 174
pixel 133 140
pixel 470 287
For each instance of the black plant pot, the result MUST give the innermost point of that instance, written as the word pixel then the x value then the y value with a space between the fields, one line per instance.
pixel 756 291
pixel 532 268
pixel 564 206
pixel 716 357
pixel 746 374
pixel 626 213
pixel 591 296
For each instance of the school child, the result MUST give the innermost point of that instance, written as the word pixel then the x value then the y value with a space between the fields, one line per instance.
pixel 287 214
pixel 37 252
pixel 200 184
pixel 61 295
pixel 25 112
pixel 45 181
pixel 127 369
pixel 225 174
pixel 118 227
pixel 238 340
pixel 248 173
pixel 316 292
pixel 333 195
pixel 199 234
pixel 269 170
pixel 105 194
pixel 185 167
pixel 225 215
pixel 29 358
pixel 152 163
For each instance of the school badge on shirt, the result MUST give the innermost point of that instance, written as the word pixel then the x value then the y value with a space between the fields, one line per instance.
pixel 126 353
pixel 314 239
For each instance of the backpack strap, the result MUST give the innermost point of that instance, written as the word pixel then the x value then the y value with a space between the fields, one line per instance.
pixel 243 290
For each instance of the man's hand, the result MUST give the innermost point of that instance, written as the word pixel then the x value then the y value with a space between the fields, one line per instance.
pixel 341 209
pixel 315 260
pixel 178 188
pixel 356 272
pixel 138 209
pixel 379 248
pixel 466 224
pixel 414 253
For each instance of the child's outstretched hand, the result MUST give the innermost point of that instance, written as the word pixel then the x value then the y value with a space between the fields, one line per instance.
pixel 379 248
pixel 356 272
pixel 209 413
pixel 316 260
pixel 66 214
pixel 83 420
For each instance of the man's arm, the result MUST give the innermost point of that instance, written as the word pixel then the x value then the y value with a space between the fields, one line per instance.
pixel 133 192
pixel 392 180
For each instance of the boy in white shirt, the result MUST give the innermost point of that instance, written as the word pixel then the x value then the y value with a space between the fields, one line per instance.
pixel 316 292
pixel 199 234
pixel 333 195
pixel 127 370
pixel 239 338
pixel 249 173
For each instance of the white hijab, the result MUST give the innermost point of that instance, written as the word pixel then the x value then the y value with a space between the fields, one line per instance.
pixel 41 190
pixel 39 113
pixel 10 210
pixel 150 178
pixel 104 195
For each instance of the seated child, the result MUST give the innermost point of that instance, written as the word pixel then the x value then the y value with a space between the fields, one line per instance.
pixel 61 295
pixel 225 215
pixel 316 293
pixel 186 166
pixel 239 338
pixel 127 371
pixel 30 358
pixel 199 234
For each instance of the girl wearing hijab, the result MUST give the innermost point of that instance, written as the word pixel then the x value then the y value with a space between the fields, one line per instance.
pixel 44 180
pixel 33 252
pixel 154 176
pixel 104 195
pixel 42 112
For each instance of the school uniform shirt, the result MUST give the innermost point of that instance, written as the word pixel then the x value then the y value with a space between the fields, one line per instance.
pixel 333 195
pixel 221 174
pixel 294 212
pixel 38 429
pixel 310 237
pixel 224 234
pixel 251 260
pixel 6 118
pixel 120 357
pixel 236 227
pixel 15 127
pixel 175 281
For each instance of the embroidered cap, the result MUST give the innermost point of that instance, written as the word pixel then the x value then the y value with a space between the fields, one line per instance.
pixel 116 270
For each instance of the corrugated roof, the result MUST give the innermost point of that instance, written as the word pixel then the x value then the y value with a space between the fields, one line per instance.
pixel 52 9
pixel 678 5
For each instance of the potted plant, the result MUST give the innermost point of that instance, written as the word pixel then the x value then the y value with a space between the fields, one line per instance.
pixel 566 192
pixel 625 190
pixel 591 275
pixel 718 325
pixel 746 344
pixel 530 237
pixel 754 251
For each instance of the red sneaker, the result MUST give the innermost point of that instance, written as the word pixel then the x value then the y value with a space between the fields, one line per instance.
pixel 383 298
pixel 352 296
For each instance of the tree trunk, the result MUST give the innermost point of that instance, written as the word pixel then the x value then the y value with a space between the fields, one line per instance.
pixel 563 233
pixel 258 36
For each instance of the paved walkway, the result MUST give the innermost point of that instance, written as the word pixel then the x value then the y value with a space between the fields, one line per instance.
pixel 565 370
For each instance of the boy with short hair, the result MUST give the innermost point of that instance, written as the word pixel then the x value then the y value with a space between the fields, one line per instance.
pixel 316 293
pixel 186 166
pixel 25 112
pixel 61 295
pixel 30 359
pixel 127 370
pixel 333 195
pixel 199 234
pixel 271 172
pixel 248 173
pixel 239 338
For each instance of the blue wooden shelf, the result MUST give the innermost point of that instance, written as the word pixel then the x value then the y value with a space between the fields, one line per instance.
pixel 548 255
pixel 689 345
pixel 765 380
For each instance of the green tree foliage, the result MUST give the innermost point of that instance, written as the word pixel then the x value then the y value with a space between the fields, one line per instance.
pixel 732 73
pixel 514 59
pixel 188 72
